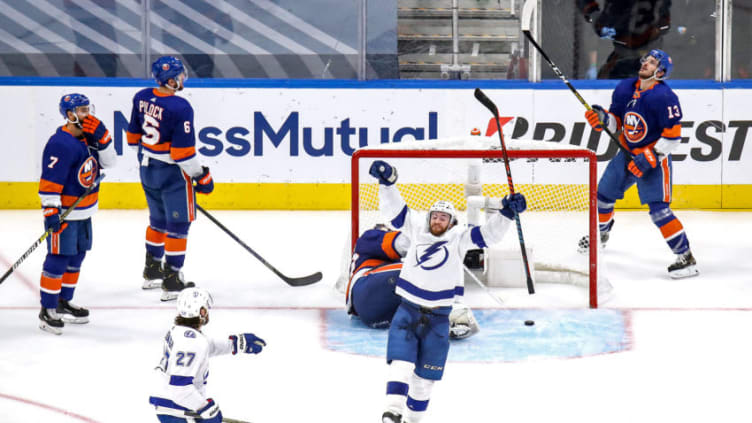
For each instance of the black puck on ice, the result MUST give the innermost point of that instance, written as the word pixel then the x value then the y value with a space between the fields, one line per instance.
pixel 529 322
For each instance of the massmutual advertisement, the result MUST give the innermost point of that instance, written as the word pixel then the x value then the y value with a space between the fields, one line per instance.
pixel 282 148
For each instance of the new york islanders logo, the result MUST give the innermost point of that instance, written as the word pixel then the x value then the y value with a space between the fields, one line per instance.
pixel 165 67
pixel 635 127
pixel 88 171
pixel 432 256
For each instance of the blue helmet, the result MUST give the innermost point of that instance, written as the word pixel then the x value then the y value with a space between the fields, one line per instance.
pixel 664 62
pixel 71 101
pixel 166 68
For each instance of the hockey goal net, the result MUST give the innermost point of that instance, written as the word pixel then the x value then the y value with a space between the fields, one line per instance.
pixel 558 181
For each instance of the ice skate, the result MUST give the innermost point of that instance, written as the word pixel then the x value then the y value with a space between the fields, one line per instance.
pixel 71 313
pixel 173 283
pixel 153 273
pixel 684 267
pixel 50 321
pixel 389 417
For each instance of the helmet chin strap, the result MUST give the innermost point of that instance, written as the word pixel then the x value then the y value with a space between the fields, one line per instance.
pixel 76 122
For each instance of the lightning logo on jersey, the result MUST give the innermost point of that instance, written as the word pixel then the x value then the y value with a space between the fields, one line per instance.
pixel 433 256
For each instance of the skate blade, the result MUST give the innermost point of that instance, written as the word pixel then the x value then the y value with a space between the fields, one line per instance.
pixel 75 320
pixel 152 284
pixel 47 328
pixel 169 295
pixel 687 272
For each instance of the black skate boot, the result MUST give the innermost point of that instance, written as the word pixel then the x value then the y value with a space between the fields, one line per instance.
pixel 71 313
pixel 153 273
pixel 684 267
pixel 389 417
pixel 173 283
pixel 50 321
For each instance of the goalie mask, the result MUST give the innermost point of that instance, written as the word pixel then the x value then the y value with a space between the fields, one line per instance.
pixel 191 301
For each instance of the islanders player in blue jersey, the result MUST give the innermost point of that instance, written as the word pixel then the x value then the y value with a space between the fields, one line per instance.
pixel 71 163
pixel 370 293
pixel 647 114
pixel 161 126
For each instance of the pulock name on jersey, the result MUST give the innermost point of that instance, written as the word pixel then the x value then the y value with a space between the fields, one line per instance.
pixel 240 141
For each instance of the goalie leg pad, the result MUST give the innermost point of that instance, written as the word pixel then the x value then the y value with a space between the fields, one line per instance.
pixel 462 322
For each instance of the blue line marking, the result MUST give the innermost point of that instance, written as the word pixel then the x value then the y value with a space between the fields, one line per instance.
pixel 503 336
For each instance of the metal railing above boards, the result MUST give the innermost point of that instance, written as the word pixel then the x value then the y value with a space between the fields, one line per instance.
pixel 376 39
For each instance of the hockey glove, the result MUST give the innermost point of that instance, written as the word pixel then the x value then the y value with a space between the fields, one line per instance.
pixel 384 172
pixel 607 33
pixel 596 115
pixel 643 162
pixel 52 220
pixel 204 182
pixel 247 343
pixel 513 204
pixel 210 413
pixel 97 135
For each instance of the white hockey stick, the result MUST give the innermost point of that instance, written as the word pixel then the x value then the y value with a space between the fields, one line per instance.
pixel 482 285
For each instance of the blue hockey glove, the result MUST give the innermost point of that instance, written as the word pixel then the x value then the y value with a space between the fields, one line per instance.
pixel 210 413
pixel 596 115
pixel 97 135
pixel 607 33
pixel 384 172
pixel 204 182
pixel 643 162
pixel 513 204
pixel 52 220
pixel 247 343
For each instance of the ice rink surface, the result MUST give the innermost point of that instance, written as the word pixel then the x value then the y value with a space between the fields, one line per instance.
pixel 659 350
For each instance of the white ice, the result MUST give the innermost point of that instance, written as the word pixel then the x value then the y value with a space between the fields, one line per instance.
pixel 687 361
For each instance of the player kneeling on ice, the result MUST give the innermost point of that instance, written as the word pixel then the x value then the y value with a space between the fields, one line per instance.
pixel 430 278
pixel 376 265
pixel 185 364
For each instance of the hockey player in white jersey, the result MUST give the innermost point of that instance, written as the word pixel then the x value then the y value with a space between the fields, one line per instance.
pixel 184 368
pixel 431 277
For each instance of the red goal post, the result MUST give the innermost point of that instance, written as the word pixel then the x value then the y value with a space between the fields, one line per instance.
pixel 522 154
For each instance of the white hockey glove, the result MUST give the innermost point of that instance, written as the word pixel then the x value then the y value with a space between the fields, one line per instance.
pixel 462 323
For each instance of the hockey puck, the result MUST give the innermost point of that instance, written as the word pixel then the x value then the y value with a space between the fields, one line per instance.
pixel 529 322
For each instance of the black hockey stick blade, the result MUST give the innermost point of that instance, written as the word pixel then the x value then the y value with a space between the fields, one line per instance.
pixel 302 281
pixel 481 96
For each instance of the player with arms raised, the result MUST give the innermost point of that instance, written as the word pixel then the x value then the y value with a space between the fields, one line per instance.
pixel 647 113
pixel 431 277
pixel 184 368
pixel 161 126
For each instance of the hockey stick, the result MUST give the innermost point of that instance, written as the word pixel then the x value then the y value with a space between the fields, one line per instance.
pixel 485 288
pixel 527 12
pixel 302 281
pixel 48 232
pixel 224 419
pixel 492 107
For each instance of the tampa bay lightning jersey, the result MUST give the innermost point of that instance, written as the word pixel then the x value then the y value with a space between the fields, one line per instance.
pixel 161 126
pixel 69 168
pixel 184 369
pixel 431 273
pixel 645 116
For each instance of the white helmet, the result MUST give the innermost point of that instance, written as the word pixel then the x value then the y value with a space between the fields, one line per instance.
pixel 192 300
pixel 444 207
